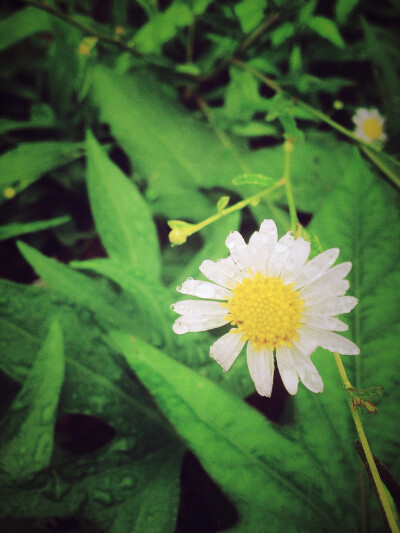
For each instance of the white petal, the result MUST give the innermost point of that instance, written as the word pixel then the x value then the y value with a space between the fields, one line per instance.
pixel 327 291
pixel 238 250
pixel 261 245
pixel 261 368
pixel 258 253
pixel 306 343
pixel 321 321
pixel 192 322
pixel 334 274
pixel 269 229
pixel 295 260
pixel 226 349
pixel 224 272
pixel 287 369
pixel 204 289
pixel 336 306
pixel 332 341
pixel 280 254
pixel 315 268
pixel 198 306
pixel 307 372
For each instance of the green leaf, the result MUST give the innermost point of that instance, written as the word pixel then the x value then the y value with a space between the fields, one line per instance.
pixel 162 27
pixel 29 424
pixel 168 146
pixel 199 6
pixel 151 299
pixel 80 289
pixel 174 151
pixel 122 216
pixel 253 129
pixel 22 24
pixel 282 33
pixel 132 483
pixel 258 468
pixel 327 29
pixel 254 179
pixel 250 13
pixel 361 218
pixel 20 228
pixel 242 98
pixel 28 162
pixel 222 203
pixel 343 8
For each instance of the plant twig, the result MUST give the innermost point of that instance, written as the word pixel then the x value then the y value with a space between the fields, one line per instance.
pixel 288 146
pixel 380 489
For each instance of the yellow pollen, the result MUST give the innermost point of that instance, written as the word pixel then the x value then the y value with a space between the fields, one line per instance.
pixel 266 311
pixel 372 128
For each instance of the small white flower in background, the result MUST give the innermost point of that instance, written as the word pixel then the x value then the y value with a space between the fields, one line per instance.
pixel 369 125
pixel 276 301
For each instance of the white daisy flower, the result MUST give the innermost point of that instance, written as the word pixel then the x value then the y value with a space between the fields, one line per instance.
pixel 369 125
pixel 277 303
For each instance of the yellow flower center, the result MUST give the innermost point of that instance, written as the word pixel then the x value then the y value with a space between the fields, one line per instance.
pixel 266 311
pixel 372 128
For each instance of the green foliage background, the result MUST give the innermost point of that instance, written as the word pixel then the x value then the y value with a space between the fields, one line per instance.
pixel 100 146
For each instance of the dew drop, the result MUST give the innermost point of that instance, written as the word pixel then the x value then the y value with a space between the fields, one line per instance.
pixel 290 264
pixel 172 307
pixel 43 448
pixel 103 497
pixel 127 482
pixel 190 279
pixel 47 414
pixel 179 288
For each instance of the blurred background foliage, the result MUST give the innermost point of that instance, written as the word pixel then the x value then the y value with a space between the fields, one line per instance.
pixel 116 116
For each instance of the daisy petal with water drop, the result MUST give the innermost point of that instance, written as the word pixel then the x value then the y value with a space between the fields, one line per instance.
pixel 369 125
pixel 278 304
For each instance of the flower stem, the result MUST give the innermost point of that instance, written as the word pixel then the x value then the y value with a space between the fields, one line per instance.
pixel 236 207
pixel 367 450
pixel 181 230
pixel 288 146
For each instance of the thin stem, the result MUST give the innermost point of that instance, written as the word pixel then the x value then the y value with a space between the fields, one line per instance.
pixel 367 450
pixel 312 110
pixel 236 207
pixel 288 146
pixel 82 27
pixel 381 165
pixel 180 230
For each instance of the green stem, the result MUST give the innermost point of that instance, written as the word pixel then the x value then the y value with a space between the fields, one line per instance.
pixel 236 207
pixel 367 450
pixel 181 230
pixel 381 165
pixel 288 146
pixel 312 110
